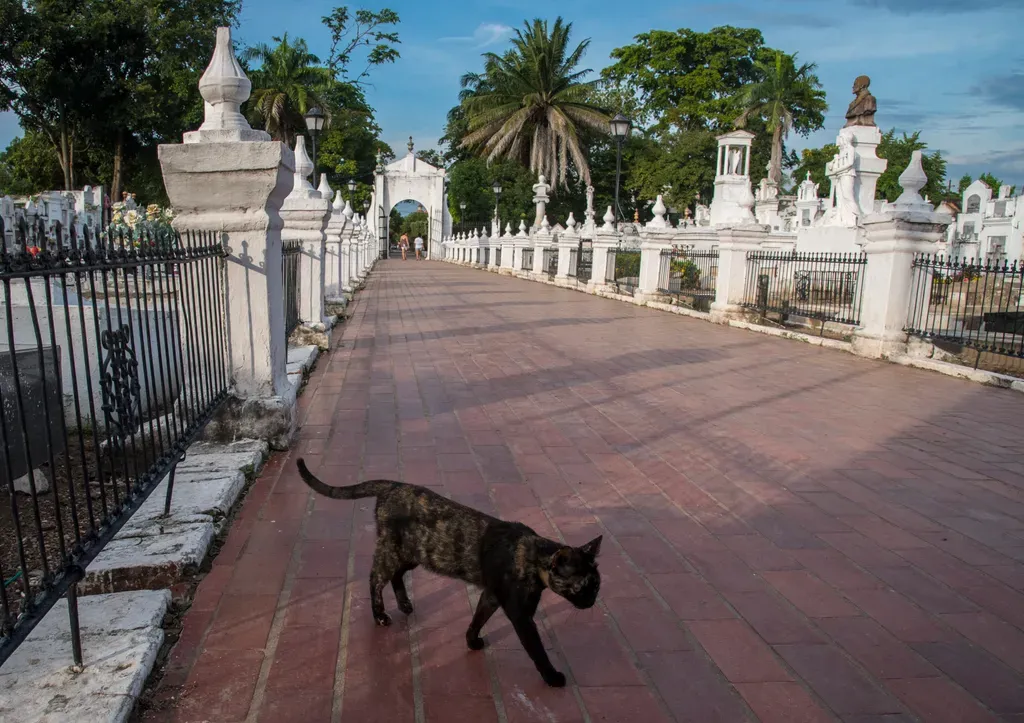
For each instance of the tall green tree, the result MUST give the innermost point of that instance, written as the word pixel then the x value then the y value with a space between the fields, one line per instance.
pixel 120 75
pixel 784 96
pixel 897 151
pixel 685 79
pixel 529 104
pixel 289 81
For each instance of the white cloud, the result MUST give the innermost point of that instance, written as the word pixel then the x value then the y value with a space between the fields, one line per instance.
pixel 486 34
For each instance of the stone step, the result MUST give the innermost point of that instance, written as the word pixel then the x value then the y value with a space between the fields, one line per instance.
pixel 153 551
pixel 121 637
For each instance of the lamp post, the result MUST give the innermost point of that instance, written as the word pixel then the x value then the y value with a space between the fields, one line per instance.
pixel 462 217
pixel 620 129
pixel 497 197
pixel 352 192
pixel 315 123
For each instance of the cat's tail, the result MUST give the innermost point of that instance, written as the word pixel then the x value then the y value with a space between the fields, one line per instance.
pixel 352 492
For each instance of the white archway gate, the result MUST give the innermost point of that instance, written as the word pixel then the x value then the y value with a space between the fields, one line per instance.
pixel 410 178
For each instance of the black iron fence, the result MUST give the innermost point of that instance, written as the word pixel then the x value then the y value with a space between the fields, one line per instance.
pixel 822 286
pixel 487 256
pixel 497 256
pixel 112 359
pixel 551 261
pixel 623 270
pixel 689 277
pixel 975 304
pixel 291 255
pixel 527 260
pixel 581 261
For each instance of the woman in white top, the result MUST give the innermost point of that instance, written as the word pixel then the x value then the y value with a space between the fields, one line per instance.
pixel 418 243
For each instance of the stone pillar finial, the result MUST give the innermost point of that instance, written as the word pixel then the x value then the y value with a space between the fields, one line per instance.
pixel 325 188
pixel 609 218
pixel 912 180
pixel 224 88
pixel 339 202
pixel 570 223
pixel 659 211
pixel 508 228
pixel 522 227
pixel 301 187
pixel 348 210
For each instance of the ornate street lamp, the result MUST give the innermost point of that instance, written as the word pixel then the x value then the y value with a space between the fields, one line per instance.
pixel 497 197
pixel 352 191
pixel 619 126
pixel 315 123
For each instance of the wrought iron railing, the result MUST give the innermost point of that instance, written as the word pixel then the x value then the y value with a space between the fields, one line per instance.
pixel 689 277
pixel 291 255
pixel 581 262
pixel 551 261
pixel 112 359
pixel 497 256
pixel 623 269
pixel 822 286
pixel 976 304
pixel 526 263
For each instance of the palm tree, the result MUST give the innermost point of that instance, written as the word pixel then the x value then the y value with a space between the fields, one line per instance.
pixel 289 81
pixel 530 104
pixel 782 91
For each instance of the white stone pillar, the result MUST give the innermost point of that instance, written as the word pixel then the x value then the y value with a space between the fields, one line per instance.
pixel 605 240
pixel 305 214
pixel 334 268
pixel 567 243
pixel 902 229
pixel 232 180
pixel 733 244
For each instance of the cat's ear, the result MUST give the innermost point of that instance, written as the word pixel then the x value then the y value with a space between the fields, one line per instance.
pixel 592 548
pixel 559 557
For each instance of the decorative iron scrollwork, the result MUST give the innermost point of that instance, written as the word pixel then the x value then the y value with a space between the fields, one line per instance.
pixel 119 376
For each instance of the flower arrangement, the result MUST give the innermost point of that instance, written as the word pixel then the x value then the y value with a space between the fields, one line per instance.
pixel 153 226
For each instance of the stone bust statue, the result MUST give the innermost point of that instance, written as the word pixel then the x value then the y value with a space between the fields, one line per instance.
pixel 862 109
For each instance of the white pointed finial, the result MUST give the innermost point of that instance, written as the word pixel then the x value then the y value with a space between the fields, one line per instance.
pixel 912 180
pixel 609 218
pixel 508 228
pixel 339 202
pixel 522 226
pixel 325 188
pixel 545 224
pixel 348 210
pixel 301 188
pixel 224 87
pixel 659 211
pixel 570 223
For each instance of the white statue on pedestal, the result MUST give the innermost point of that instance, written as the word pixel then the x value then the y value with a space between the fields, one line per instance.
pixel 843 174
pixel 541 198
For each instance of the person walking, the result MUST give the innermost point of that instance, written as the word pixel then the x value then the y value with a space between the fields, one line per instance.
pixel 403 245
pixel 418 242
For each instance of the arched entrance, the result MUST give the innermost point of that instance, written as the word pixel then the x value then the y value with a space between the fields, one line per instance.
pixel 411 179
pixel 408 217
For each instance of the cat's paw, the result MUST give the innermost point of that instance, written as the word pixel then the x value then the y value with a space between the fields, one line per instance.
pixel 405 606
pixel 383 619
pixel 555 679
pixel 476 643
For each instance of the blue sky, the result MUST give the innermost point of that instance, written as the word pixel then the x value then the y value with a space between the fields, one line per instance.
pixel 954 72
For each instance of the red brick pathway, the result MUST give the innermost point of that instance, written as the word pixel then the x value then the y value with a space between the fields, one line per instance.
pixel 791 534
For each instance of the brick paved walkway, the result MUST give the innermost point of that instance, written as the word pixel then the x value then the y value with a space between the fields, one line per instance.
pixel 791 534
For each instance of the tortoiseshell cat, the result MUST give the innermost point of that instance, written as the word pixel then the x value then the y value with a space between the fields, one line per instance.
pixel 511 563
